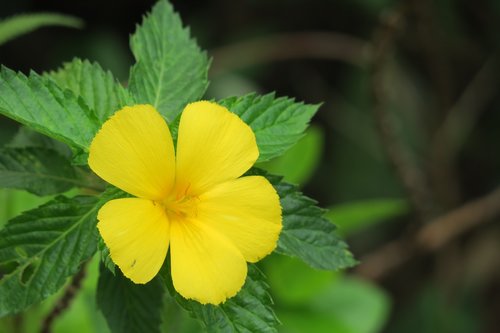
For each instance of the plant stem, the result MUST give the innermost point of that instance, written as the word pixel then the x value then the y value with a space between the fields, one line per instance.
pixel 431 237
pixel 314 45
pixel 65 301
pixel 411 175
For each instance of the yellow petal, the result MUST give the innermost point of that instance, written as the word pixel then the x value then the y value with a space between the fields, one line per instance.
pixel 134 151
pixel 205 266
pixel 214 145
pixel 136 231
pixel 247 211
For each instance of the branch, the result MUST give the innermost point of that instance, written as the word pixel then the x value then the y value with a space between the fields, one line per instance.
pixel 65 301
pixel 464 114
pixel 458 125
pixel 432 45
pixel 315 45
pixel 431 237
pixel 412 177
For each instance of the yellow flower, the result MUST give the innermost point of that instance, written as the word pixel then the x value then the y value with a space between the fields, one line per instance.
pixel 191 200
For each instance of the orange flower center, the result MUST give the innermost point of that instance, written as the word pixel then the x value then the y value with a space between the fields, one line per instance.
pixel 180 208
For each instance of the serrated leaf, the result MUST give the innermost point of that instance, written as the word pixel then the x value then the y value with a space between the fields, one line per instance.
pixel 171 70
pixel 42 247
pixel 40 104
pixel 278 123
pixel 26 138
pixel 98 88
pixel 37 170
pixel 130 307
pixel 249 311
pixel 106 256
pixel 306 233
pixel 15 26
pixel 298 164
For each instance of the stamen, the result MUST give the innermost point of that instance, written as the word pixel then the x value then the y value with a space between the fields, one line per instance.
pixel 181 208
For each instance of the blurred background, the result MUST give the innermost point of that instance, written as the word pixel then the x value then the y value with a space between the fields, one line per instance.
pixel 404 151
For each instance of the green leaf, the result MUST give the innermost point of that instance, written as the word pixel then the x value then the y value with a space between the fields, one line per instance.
pixel 40 104
pixel 306 233
pixel 348 305
pixel 300 321
pixel 299 163
pixel 302 282
pixel 355 216
pixel 171 71
pixel 36 170
pixel 130 307
pixel 249 311
pixel 278 123
pixel 27 138
pixel 15 26
pixel 349 299
pixel 97 87
pixel 41 248
pixel 106 256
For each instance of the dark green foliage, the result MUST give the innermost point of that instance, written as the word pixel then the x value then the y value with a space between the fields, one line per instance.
pixel 40 104
pixel 249 311
pixel 105 256
pixel 171 70
pixel 306 233
pixel 278 123
pixel 130 307
pixel 97 87
pixel 42 247
pixel 27 138
pixel 36 170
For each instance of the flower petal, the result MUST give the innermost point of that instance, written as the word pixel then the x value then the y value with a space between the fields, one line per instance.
pixel 247 211
pixel 206 267
pixel 134 151
pixel 136 231
pixel 214 145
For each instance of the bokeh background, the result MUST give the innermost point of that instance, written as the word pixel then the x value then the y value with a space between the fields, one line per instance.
pixel 404 152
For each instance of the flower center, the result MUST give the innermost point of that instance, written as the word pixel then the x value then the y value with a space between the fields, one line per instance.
pixel 180 208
